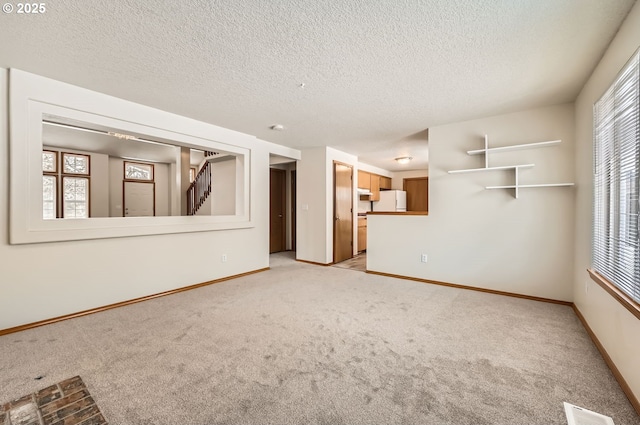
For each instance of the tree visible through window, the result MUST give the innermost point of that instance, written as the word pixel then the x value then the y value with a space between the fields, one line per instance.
pixel 66 186
pixel 138 171
pixel 76 197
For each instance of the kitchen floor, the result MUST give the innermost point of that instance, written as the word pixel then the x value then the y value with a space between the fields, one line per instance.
pixel 358 263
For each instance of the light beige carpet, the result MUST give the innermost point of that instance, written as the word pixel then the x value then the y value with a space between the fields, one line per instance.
pixel 303 344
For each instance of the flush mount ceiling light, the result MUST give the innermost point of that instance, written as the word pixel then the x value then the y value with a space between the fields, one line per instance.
pixel 277 127
pixel 404 160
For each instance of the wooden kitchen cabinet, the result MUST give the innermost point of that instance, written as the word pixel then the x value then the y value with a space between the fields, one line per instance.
pixel 364 180
pixel 375 188
pixel 362 234
pixel 385 183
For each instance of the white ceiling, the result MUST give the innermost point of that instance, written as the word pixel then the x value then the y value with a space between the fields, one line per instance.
pixel 376 73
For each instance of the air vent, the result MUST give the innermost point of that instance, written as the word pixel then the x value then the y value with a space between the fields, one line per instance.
pixel 580 416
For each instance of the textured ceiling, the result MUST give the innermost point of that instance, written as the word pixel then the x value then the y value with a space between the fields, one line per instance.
pixel 376 73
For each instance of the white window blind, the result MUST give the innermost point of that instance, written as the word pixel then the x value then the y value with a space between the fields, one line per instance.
pixel 616 240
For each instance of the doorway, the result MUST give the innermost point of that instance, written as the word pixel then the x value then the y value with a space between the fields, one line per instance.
pixel 293 210
pixel 277 210
pixel 342 212
pixel 139 199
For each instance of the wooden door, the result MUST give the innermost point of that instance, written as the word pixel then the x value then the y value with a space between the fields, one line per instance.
pixel 342 212
pixel 139 199
pixel 417 193
pixel 293 210
pixel 277 209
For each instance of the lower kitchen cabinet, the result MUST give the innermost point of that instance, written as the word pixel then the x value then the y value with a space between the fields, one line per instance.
pixel 362 233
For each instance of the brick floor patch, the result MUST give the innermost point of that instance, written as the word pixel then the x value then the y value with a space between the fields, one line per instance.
pixel 65 403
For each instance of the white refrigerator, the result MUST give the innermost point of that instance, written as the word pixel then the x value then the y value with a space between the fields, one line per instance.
pixel 391 200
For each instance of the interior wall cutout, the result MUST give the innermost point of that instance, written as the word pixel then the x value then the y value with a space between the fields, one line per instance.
pixel 57 117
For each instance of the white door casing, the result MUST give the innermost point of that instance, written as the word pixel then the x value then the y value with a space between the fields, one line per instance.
pixel 139 199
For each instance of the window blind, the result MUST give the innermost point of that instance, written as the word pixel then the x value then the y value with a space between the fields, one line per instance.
pixel 616 240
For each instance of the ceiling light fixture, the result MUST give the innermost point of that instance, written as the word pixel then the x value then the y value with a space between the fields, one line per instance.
pixel 404 160
pixel 277 127
pixel 120 136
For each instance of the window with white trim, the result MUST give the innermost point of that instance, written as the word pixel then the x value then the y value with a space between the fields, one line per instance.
pixel 616 239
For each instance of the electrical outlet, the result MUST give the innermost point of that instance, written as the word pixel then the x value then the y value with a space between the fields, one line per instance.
pixel 423 258
pixel 224 258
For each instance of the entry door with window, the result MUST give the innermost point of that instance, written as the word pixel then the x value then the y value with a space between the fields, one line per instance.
pixel 139 190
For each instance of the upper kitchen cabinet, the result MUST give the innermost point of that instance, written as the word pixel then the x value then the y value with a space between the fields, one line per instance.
pixel 364 180
pixel 375 188
pixel 372 183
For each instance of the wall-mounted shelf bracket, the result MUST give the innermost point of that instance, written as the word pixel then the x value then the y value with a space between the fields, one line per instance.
pixel 487 150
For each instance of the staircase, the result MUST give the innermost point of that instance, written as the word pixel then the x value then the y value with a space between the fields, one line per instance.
pixel 200 188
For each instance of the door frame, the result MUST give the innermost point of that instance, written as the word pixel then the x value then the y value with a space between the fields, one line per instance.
pixel 336 163
pixel 283 189
pixel 124 197
pixel 294 183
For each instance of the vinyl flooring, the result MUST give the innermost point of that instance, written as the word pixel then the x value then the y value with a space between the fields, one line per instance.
pixel 358 263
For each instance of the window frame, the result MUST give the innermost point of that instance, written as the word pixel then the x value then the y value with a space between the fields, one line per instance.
pixel 70 173
pixel 59 175
pixel 128 179
pixel 607 180
pixel 55 195
pixel 53 174
pixel 64 202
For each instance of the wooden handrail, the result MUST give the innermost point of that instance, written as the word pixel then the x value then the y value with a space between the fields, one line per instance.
pixel 199 190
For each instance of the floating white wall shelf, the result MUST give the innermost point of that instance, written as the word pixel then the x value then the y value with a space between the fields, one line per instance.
pixel 506 167
pixel 487 150
pixel 514 147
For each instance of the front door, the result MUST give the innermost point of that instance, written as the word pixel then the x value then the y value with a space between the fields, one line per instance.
pixel 139 199
pixel 277 207
pixel 342 212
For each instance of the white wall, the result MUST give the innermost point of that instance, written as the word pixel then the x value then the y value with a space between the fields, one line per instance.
pixel 487 238
pixel 315 203
pixel 615 327
pixel 312 199
pixel 51 278
pixel 397 180
pixel 223 187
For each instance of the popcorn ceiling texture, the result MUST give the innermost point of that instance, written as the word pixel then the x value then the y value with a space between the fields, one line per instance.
pixel 375 72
